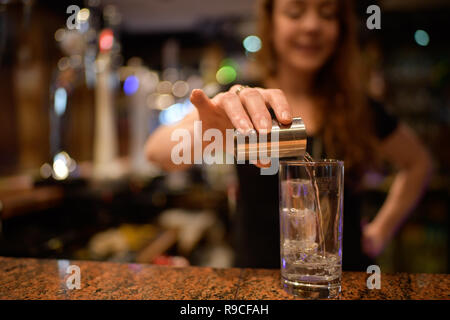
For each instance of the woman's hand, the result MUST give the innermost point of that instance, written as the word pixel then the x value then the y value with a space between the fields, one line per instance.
pixel 374 240
pixel 405 151
pixel 244 111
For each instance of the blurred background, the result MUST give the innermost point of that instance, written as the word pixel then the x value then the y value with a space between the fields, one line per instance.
pixel 76 107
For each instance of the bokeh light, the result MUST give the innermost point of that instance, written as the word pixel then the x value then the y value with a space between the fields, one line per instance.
pixel 106 40
pixel 45 171
pixel 59 34
pixel 226 75
pixel 131 85
pixel 252 43
pixel 164 87
pixel 60 169
pixel 180 89
pixel 83 15
pixel 422 38
pixel 175 112
pixel 60 102
pixel 61 163
pixel 163 101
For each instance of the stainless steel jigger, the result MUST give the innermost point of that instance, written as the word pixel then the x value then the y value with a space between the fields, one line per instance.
pixel 284 141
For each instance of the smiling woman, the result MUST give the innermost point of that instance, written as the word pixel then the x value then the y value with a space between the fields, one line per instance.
pixel 318 39
pixel 309 59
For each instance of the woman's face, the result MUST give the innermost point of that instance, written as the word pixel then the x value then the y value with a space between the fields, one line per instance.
pixel 305 32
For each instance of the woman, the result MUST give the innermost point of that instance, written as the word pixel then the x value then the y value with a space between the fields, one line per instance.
pixel 310 65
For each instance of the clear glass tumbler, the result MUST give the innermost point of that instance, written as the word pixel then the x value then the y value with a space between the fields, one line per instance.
pixel 311 225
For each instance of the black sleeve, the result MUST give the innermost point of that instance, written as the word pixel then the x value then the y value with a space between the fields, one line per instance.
pixel 384 123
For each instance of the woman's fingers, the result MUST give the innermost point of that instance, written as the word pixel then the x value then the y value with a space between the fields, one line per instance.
pixel 256 107
pixel 246 108
pixel 279 104
pixel 235 111
pixel 226 103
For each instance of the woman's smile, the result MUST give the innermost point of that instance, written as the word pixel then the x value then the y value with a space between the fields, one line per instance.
pixel 308 48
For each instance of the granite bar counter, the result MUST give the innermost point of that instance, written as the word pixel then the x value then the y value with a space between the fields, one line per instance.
pixel 26 278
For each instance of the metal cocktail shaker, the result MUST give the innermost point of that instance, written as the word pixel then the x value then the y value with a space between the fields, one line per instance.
pixel 284 141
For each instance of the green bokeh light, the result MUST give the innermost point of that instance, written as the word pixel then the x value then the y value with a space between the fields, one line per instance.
pixel 226 75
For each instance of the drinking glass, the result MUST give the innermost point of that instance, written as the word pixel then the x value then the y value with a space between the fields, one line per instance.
pixel 311 213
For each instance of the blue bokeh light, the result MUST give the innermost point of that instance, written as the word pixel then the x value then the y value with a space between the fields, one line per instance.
pixel 252 43
pixel 60 101
pixel 131 85
pixel 175 112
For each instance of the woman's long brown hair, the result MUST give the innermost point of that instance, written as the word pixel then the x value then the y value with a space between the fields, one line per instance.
pixel 347 130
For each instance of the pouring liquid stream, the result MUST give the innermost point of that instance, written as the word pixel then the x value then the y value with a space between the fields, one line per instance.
pixel 319 218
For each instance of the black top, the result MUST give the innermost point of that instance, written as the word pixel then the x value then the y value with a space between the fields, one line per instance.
pixel 257 232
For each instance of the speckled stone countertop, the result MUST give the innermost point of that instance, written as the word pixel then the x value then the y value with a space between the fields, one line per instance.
pixel 46 279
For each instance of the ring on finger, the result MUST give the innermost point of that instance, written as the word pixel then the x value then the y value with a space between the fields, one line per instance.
pixel 238 90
